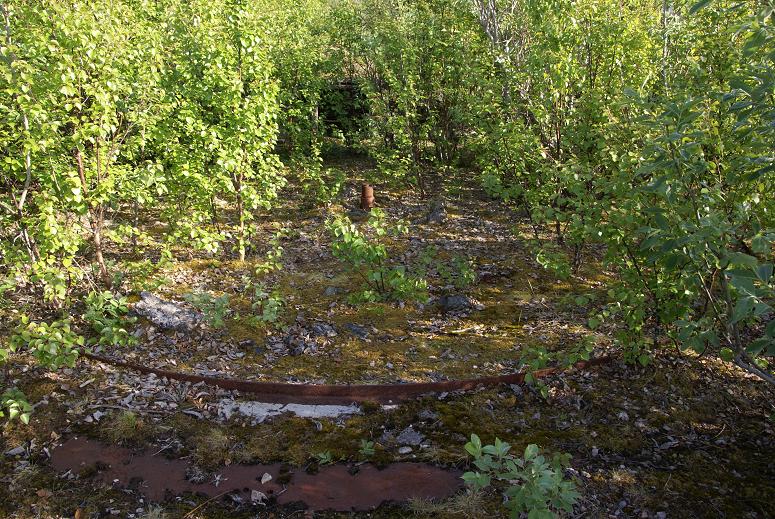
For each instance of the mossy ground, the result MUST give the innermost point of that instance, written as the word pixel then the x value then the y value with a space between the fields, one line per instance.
pixel 684 436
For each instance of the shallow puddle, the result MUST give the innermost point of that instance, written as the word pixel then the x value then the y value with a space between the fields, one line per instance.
pixel 334 487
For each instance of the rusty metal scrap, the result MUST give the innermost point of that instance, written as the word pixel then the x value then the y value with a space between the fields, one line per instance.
pixel 285 393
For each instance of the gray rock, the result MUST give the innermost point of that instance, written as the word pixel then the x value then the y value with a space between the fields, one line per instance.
pixel 437 212
pixel 410 437
pixel 405 450
pixel 387 437
pixel 18 451
pixel 427 414
pixel 356 329
pixel 332 291
pixel 247 344
pixel 323 330
pixel 300 346
pixel 165 314
pixel 457 303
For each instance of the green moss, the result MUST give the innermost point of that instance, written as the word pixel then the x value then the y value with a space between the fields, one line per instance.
pixel 126 428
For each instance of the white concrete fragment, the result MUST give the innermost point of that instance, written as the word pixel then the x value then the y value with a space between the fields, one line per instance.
pixel 260 411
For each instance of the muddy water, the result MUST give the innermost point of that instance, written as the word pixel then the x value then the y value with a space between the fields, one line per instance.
pixel 334 487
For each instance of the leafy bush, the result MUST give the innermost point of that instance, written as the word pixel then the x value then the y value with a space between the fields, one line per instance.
pixel 53 345
pixel 367 255
pixel 106 314
pixel 213 308
pixel 530 484
pixel 322 185
pixel 554 260
pixel 691 234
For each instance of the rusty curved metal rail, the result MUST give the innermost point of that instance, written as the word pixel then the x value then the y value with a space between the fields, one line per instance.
pixel 285 393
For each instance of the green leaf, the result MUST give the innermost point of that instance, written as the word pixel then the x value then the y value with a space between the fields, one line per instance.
pixel 742 309
pixel 764 272
pixel 474 447
pixel 699 5
pixel 726 354
pixel 738 258
pixel 531 451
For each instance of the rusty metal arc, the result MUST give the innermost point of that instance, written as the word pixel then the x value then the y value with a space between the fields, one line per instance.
pixel 286 393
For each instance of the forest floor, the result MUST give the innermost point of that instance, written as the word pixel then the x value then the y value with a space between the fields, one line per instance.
pixel 681 437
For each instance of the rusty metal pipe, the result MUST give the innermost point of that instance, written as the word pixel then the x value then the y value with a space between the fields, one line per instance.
pixel 367 197
pixel 283 393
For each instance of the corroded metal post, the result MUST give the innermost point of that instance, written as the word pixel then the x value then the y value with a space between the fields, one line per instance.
pixel 367 197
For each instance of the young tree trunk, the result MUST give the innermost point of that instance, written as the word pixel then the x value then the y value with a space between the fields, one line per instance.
pixel 96 221
pixel 237 181
pixel 97 239
pixel 29 242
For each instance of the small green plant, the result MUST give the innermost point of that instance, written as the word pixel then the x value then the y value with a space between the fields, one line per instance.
pixel 367 255
pixel 324 458
pixel 154 512
pixel 531 484
pixel 274 255
pixel 213 308
pixel 266 307
pixel 532 360
pixel 14 404
pixel 458 272
pixel 367 448
pixel 537 358
pixel 106 314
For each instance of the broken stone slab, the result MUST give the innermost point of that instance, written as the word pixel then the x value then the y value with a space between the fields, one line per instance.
pixel 165 314
pixel 260 411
